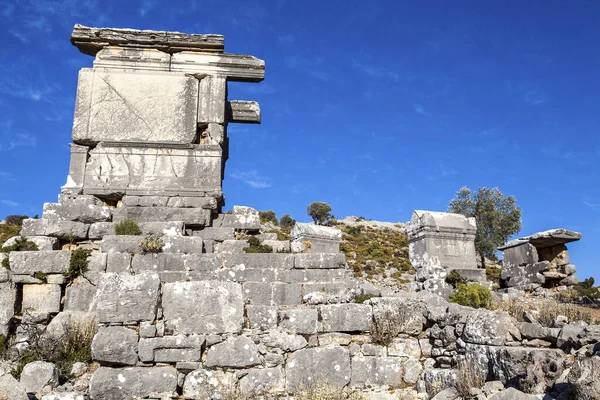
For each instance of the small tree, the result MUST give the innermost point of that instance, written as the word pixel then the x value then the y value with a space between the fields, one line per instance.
pixel 16 220
pixel 497 217
pixel 267 216
pixel 286 221
pixel 319 212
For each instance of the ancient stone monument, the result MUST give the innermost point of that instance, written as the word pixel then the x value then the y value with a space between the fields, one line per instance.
pixel 440 242
pixel 539 260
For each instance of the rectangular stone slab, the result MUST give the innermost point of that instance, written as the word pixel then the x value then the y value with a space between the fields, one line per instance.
pixel 243 112
pixel 236 67
pixel 137 170
pixel 133 106
pixel 139 59
pixel 91 40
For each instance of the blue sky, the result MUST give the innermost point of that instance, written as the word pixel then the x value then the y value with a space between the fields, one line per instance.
pixel 377 108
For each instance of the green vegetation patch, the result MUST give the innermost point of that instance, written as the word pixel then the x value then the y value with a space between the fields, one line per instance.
pixel 127 227
pixel 472 295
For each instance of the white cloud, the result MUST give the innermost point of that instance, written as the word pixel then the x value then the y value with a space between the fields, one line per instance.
pixel 11 138
pixel 9 203
pixel 252 179
pixel 420 109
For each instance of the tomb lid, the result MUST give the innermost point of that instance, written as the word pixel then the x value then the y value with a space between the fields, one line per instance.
pixel 302 229
pixel 543 239
pixel 91 40
pixel 442 221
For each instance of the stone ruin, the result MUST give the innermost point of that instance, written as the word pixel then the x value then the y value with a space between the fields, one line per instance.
pixel 539 261
pixel 203 319
pixel 440 242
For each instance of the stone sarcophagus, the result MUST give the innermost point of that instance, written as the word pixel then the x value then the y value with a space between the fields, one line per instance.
pixel 440 242
pixel 151 115
pixel 539 260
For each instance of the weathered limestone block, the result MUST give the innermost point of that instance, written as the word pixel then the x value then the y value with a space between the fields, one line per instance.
pixel 301 321
pixel 134 106
pixel 279 246
pixel 203 307
pixel 119 262
pixel 513 394
pixel 406 313
pixel 412 371
pixel 557 255
pixel 262 381
pixel 68 230
pixel 584 377
pixel 139 59
pixel 319 261
pixel 438 379
pixel 128 298
pixel 490 328
pixel 261 317
pixel 202 383
pixel 41 298
pixel 231 246
pixel 334 338
pixel 169 170
pixel 133 382
pixel 182 244
pixel 218 234
pixel 121 244
pixel 30 262
pixel 69 319
pixel 74 184
pixel 8 295
pixel 43 243
pixel 314 275
pixel 237 221
pixel 91 40
pixel 520 255
pixel 236 67
pixel 259 260
pixel 38 374
pixel 322 239
pixel 242 274
pixel 11 389
pixel 279 340
pixel 213 95
pixel 445 239
pixel 172 228
pixel 405 347
pixel 328 365
pixel 518 366
pixel 346 317
pixel 145 201
pixel 240 352
pixel 158 262
pixel 271 294
pixel 208 202
pixel 76 211
pixel 115 345
pixel 379 371
pixel 80 296
pixel 178 348
pixel 243 112
pixel 65 395
pixel 190 216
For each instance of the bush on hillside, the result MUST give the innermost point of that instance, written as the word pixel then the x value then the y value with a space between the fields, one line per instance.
pixel 78 264
pixel 286 221
pixel 20 244
pixel 256 247
pixel 320 212
pixel 268 216
pixel 472 295
pixel 16 220
pixel 127 227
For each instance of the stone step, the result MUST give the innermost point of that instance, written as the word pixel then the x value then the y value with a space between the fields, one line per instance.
pixel 190 216
pixel 170 244
pixel 173 228
pixel 279 293
pixel 285 276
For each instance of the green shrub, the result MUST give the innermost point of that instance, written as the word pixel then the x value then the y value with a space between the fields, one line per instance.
pixel 26 357
pixel 361 298
pixel 454 278
pixel 78 264
pixel 586 289
pixel 267 216
pixel 286 221
pixel 320 212
pixel 472 295
pixel 16 220
pixel 151 244
pixel 256 247
pixel 7 231
pixel 127 227
pixel 42 276
pixel 6 263
pixel 21 244
pixel 492 274
pixel 354 230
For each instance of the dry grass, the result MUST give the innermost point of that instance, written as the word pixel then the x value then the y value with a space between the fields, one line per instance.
pixel 321 391
pixel 468 377
pixel 547 310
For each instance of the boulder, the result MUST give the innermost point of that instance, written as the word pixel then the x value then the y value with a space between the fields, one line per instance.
pixel 261 381
pixel 346 317
pixel 128 298
pixel 584 378
pixel 11 389
pixel 490 328
pixel 513 394
pixel 380 371
pixel 8 295
pixel 38 374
